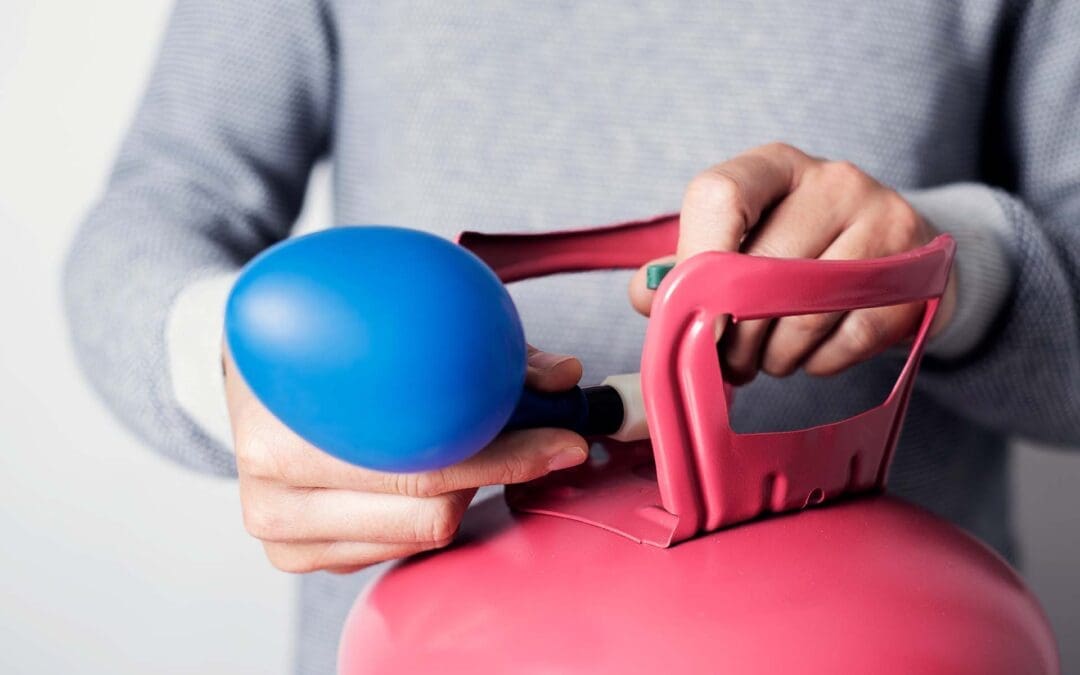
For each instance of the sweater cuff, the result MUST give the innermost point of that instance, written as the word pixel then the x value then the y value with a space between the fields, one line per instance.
pixel 193 342
pixel 984 274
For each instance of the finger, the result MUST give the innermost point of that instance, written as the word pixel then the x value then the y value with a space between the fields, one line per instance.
pixel 241 403
pixel 641 296
pixel 513 457
pixel 882 229
pixel 740 349
pixel 808 224
pixel 722 204
pixel 276 513
pixel 802 225
pixel 338 556
pixel 270 451
pixel 794 338
pixel 267 450
pixel 551 372
pixel 276 455
pixel 861 335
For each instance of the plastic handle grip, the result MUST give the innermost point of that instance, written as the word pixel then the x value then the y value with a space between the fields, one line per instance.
pixel 624 246
pixel 754 287
pixel 711 476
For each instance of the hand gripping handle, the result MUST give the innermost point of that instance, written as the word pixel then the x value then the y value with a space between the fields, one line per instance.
pixel 711 476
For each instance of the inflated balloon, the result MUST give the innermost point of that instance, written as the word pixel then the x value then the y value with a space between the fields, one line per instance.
pixel 389 348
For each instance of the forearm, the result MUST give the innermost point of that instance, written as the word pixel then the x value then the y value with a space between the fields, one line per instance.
pixel 213 170
pixel 121 280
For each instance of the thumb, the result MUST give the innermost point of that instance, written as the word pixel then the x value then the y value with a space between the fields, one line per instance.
pixel 516 457
pixel 641 296
pixel 551 372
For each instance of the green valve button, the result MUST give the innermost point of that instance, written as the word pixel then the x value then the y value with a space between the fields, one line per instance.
pixel 654 274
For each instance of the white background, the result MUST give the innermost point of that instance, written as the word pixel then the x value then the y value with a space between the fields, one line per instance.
pixel 111 559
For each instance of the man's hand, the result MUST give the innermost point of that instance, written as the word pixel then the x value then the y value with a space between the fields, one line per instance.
pixel 315 512
pixel 778 201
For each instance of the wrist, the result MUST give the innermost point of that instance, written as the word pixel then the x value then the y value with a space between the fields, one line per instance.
pixel 982 274
pixel 195 354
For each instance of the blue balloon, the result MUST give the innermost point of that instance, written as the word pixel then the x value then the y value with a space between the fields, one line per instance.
pixel 389 348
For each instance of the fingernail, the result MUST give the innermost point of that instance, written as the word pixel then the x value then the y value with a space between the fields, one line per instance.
pixel 567 458
pixel 547 361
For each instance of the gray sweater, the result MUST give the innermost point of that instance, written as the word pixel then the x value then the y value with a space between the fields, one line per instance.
pixel 503 116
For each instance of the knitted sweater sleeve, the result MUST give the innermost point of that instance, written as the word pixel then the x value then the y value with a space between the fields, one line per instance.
pixel 1023 376
pixel 212 170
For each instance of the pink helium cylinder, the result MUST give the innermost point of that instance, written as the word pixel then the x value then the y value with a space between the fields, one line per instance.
pixel 873 585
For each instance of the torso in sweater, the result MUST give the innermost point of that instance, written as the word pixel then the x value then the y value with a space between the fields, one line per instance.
pixel 504 116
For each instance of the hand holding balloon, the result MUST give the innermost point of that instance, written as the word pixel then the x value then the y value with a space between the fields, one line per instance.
pixel 381 346
pixel 313 511
pixel 392 349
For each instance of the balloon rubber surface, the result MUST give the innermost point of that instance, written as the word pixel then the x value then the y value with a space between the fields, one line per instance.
pixel 389 348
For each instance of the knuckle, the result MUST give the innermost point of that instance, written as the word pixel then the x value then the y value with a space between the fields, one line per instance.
pixel 254 456
pixel 780 365
pixel 845 174
pixel 401 483
pixel 719 189
pixel 782 148
pixel 904 222
pixel 810 324
pixel 432 483
pixel 262 457
pixel 262 518
pixel 516 468
pixel 321 557
pixel 261 523
pixel 770 248
pixel 441 523
pixel 288 558
pixel 425 484
pixel 442 543
pixel 738 369
pixel 864 332
pixel 287 466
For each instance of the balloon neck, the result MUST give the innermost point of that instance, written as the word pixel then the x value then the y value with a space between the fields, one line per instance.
pixel 610 409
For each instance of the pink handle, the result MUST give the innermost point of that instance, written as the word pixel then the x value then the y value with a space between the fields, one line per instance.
pixel 624 246
pixel 711 476
pixel 753 287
